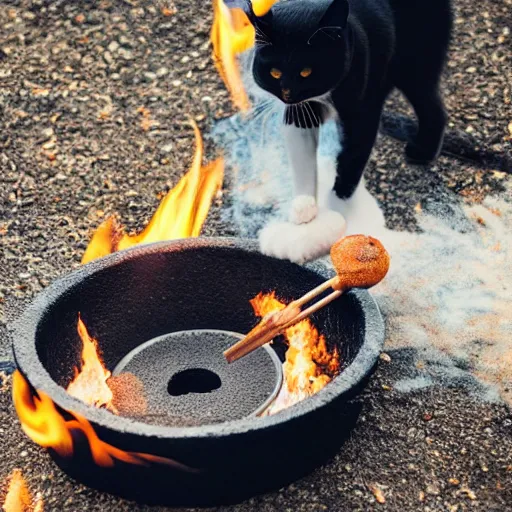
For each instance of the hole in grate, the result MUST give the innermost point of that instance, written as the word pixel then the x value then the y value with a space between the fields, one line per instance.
pixel 193 380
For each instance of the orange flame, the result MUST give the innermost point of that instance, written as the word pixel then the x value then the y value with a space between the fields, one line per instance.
pixel 232 33
pixel 18 497
pixel 308 365
pixel 42 422
pixel 90 382
pixel 181 213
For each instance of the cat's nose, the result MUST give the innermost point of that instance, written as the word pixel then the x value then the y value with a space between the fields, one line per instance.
pixel 286 94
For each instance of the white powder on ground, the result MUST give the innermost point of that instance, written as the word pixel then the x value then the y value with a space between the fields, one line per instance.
pixel 448 294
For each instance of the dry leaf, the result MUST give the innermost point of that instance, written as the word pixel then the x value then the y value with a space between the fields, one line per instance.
pixel 377 492
pixel 169 10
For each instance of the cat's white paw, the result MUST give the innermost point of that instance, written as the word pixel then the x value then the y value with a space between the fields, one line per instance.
pixel 303 210
pixel 362 212
pixel 302 242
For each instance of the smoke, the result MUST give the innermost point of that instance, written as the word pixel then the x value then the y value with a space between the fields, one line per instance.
pixel 447 298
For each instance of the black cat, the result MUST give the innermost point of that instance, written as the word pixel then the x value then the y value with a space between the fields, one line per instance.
pixel 342 58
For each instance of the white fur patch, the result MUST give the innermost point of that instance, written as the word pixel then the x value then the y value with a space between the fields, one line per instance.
pixel 302 145
pixel 303 210
pixel 302 242
pixel 361 211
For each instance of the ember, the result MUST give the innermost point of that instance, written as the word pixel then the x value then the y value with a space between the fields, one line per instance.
pixel 19 498
pixel 181 213
pixel 308 365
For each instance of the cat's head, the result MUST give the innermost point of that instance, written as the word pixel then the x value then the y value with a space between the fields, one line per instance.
pixel 301 48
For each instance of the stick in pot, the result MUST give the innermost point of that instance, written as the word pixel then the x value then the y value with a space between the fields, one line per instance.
pixel 360 262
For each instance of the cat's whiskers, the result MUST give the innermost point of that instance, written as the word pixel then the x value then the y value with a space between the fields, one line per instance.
pixel 325 100
pixel 311 113
pixel 257 111
pixel 333 33
pixel 295 114
pixel 314 114
pixel 271 110
pixel 260 38
pixel 303 112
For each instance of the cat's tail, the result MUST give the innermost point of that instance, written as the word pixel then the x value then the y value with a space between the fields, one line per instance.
pixel 457 144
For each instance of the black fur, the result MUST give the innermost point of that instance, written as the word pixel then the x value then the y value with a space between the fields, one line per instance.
pixel 358 51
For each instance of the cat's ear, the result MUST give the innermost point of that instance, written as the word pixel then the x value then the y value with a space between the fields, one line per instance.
pixel 333 22
pixel 262 24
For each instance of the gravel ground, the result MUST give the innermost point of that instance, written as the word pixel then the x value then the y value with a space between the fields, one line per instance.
pixel 94 103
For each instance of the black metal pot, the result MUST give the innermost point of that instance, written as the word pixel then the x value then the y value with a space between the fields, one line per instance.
pixel 136 295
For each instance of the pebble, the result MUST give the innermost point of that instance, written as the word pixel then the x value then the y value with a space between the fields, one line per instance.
pixel 166 149
pixel 162 72
pixel 108 57
pixel 150 76
pixel 49 145
pixel 47 133
pixel 385 357
pixel 126 54
pixel 432 489
pixel 125 41
pixel 113 46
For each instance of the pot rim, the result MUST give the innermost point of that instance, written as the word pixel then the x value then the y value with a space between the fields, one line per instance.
pixel 24 331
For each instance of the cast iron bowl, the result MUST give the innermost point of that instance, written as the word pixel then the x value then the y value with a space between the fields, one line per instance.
pixel 139 294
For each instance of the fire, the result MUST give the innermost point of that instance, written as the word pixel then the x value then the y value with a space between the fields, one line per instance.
pixel 181 213
pixel 90 382
pixel 232 33
pixel 43 423
pixel 308 365
pixel 18 497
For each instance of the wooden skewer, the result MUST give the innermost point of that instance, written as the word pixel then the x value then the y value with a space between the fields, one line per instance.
pixel 279 318
pixel 360 262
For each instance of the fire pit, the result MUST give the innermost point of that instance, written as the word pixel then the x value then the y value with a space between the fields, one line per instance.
pixel 141 305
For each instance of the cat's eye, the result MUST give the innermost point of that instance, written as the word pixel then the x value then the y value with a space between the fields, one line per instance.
pixel 305 72
pixel 275 73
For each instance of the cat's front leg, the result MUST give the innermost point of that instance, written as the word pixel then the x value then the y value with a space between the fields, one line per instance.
pixel 349 195
pixel 308 233
pixel 302 145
